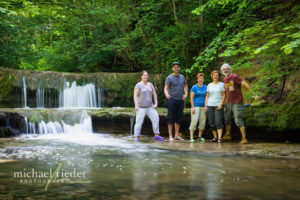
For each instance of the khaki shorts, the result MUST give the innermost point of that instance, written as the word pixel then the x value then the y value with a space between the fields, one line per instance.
pixel 199 116
pixel 238 113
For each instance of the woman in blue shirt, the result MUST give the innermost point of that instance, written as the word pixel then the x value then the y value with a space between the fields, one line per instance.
pixel 198 93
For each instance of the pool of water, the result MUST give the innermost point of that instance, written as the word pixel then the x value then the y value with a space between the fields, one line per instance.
pixel 104 166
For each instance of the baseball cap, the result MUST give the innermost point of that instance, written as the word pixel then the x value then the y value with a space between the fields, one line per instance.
pixel 175 63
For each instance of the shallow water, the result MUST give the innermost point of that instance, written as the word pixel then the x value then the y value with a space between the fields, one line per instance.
pixel 114 167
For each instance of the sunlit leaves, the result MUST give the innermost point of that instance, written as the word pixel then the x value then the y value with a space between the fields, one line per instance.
pixel 249 38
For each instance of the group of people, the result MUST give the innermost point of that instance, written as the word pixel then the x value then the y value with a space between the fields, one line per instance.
pixel 207 101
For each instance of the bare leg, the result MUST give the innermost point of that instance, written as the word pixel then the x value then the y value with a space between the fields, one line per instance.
pixel 215 134
pixel 170 129
pixel 192 134
pixel 200 135
pixel 220 131
pixel 227 135
pixel 228 128
pixel 177 127
pixel 200 132
pixel 243 132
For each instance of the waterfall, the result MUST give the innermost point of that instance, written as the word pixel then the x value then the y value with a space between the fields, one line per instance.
pixel 72 96
pixel 26 125
pixel 40 98
pixel 43 127
pixel 83 125
pixel 131 124
pixel 100 99
pixel 24 92
pixel 78 96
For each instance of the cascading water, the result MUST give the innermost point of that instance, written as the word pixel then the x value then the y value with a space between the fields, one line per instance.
pixel 131 124
pixel 24 93
pixel 83 124
pixel 40 98
pixel 99 95
pixel 61 121
pixel 74 96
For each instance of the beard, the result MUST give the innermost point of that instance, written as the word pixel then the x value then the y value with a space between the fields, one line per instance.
pixel 226 74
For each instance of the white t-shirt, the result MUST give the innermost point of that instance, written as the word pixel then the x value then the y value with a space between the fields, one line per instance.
pixel 215 93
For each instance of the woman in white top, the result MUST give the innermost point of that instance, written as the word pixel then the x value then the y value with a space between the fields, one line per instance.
pixel 214 100
pixel 143 93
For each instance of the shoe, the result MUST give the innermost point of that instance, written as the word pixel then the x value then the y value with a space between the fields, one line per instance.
pixel 192 140
pixel 244 141
pixel 179 138
pixel 171 139
pixel 214 140
pixel 158 138
pixel 219 140
pixel 201 139
pixel 136 139
pixel 227 137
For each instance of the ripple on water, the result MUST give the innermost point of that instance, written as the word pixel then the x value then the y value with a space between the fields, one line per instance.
pixel 70 147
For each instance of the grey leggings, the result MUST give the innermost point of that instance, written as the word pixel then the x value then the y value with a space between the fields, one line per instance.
pixel 215 117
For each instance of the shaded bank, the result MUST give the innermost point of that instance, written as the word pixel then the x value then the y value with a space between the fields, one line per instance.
pixel 121 121
pixel 117 87
pixel 277 114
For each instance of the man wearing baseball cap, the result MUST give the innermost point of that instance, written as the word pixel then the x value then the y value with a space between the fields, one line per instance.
pixel 175 85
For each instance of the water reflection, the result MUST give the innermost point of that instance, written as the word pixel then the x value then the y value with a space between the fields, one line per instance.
pixel 122 169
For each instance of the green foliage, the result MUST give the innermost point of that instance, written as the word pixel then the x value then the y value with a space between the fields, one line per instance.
pixel 130 36
pixel 270 41
pixel 92 36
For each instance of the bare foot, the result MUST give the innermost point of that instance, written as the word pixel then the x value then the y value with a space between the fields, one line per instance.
pixel 178 138
pixel 244 141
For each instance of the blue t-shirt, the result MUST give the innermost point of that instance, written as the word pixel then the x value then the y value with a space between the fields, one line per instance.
pixel 200 93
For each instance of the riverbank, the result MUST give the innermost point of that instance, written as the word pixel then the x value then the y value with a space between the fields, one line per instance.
pixel 277 112
pixel 230 148
pixel 260 149
pixel 260 124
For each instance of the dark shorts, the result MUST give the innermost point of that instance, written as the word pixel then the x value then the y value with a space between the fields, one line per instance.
pixel 175 111
pixel 215 117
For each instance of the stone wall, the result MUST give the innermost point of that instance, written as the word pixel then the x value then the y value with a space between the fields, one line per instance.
pixel 118 87
pixel 269 114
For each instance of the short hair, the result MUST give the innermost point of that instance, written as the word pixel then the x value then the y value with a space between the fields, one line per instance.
pixel 215 71
pixel 142 73
pixel 225 65
pixel 200 75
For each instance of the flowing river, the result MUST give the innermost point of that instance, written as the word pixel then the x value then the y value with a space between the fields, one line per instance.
pixel 106 166
pixel 59 157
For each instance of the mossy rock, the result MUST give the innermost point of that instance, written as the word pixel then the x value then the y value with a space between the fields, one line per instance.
pixel 5 88
pixel 277 117
pixel 117 87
